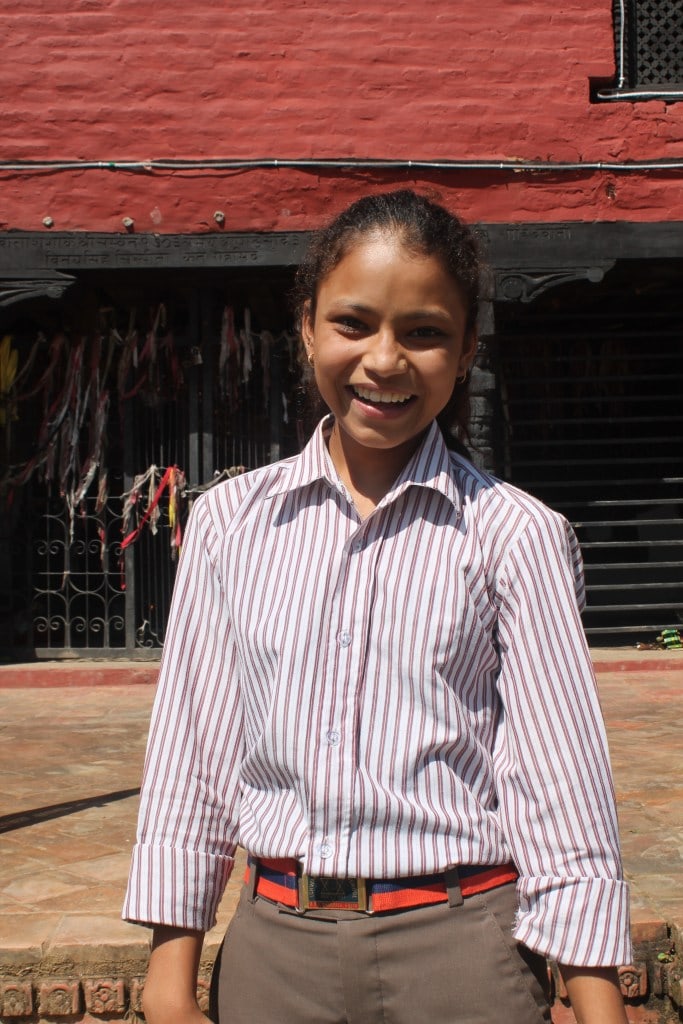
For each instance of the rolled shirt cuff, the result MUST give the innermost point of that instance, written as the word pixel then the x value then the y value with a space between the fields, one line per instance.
pixel 179 888
pixel 581 921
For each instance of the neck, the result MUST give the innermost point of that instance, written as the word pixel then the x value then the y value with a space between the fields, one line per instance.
pixel 368 473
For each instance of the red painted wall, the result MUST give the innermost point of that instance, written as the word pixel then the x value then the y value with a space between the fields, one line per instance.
pixel 403 79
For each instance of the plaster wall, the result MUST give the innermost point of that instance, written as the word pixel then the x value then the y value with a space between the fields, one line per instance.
pixel 113 80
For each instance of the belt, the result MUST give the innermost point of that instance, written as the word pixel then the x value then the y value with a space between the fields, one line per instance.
pixel 281 881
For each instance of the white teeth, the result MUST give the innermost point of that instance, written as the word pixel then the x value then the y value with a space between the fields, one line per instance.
pixel 380 396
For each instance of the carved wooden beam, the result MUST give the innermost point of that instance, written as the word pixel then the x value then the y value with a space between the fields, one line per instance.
pixel 527 285
pixel 15 286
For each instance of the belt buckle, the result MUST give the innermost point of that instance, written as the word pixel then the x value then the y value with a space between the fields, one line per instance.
pixel 316 892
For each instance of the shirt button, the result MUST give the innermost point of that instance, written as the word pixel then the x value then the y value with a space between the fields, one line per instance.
pixel 344 638
pixel 333 737
pixel 325 849
pixel 358 546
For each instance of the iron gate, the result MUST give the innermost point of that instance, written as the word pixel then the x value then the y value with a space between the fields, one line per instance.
pixel 69 587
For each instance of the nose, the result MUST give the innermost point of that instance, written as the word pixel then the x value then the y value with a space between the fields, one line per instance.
pixel 385 355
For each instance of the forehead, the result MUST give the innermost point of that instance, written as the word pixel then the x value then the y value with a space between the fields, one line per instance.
pixel 379 269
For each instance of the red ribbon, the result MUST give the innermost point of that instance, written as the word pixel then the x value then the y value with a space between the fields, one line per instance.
pixel 163 483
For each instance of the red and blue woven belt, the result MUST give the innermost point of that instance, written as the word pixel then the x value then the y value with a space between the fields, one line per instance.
pixel 281 881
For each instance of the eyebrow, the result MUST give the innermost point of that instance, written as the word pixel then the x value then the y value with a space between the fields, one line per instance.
pixel 429 314
pixel 414 314
pixel 346 305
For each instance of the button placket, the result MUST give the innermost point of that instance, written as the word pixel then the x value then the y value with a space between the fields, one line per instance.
pixel 333 811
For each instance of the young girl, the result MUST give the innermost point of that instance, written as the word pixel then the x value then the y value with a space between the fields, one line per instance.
pixel 361 685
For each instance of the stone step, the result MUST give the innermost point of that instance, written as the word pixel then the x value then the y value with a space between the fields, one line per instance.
pixel 71 762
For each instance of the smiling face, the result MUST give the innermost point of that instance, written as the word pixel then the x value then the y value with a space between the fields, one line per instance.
pixel 388 340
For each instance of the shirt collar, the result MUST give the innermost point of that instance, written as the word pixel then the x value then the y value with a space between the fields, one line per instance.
pixel 311 464
pixel 430 466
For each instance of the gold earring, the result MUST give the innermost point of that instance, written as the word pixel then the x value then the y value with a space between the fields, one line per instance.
pixel 310 358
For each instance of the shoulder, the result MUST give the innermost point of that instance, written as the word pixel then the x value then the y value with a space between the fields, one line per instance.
pixel 224 506
pixel 488 495
pixel 505 515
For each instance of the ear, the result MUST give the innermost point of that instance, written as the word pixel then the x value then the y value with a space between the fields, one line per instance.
pixel 469 350
pixel 307 328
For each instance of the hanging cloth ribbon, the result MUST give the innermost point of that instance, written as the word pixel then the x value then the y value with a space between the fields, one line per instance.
pixel 163 484
pixel 177 487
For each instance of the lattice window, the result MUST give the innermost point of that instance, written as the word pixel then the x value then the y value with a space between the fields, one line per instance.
pixel 648 36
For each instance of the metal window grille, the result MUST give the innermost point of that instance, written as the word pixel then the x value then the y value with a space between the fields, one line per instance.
pixel 648 47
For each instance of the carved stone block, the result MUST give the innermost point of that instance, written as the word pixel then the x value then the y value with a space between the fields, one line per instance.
pixel 203 993
pixel 136 989
pixel 105 995
pixel 658 979
pixel 16 999
pixel 59 998
pixel 633 981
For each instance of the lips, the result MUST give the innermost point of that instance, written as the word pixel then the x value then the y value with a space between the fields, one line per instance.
pixel 376 397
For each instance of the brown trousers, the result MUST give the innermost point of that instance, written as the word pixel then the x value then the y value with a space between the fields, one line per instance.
pixel 429 965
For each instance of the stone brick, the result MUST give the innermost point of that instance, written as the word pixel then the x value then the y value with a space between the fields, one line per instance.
pixel 633 981
pixel 114 939
pixel 203 992
pixel 674 987
pixel 105 995
pixel 16 999
pixel 648 928
pixel 137 986
pixel 22 939
pixel 59 998
pixel 659 979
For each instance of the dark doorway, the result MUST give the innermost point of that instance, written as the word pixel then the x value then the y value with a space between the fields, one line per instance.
pixel 591 392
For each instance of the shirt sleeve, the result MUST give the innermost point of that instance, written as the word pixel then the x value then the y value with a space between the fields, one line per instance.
pixel 189 807
pixel 556 797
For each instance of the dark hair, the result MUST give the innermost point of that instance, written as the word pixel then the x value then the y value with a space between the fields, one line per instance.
pixel 423 226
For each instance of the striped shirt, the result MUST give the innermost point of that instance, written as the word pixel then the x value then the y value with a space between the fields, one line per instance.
pixel 382 698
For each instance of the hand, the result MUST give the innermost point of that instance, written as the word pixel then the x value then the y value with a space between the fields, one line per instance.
pixel 166 1011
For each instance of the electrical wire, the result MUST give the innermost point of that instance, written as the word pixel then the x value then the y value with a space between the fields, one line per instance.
pixel 641 94
pixel 219 164
pixel 622 36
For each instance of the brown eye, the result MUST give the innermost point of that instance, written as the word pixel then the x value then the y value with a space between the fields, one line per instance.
pixel 349 323
pixel 428 332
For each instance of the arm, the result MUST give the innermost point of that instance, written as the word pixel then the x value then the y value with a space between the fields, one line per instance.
pixel 554 784
pixel 189 805
pixel 594 994
pixel 170 993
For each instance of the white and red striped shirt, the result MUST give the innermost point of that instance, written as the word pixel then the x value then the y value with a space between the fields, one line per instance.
pixel 382 698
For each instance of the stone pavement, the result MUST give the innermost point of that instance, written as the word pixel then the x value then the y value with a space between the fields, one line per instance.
pixel 71 757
